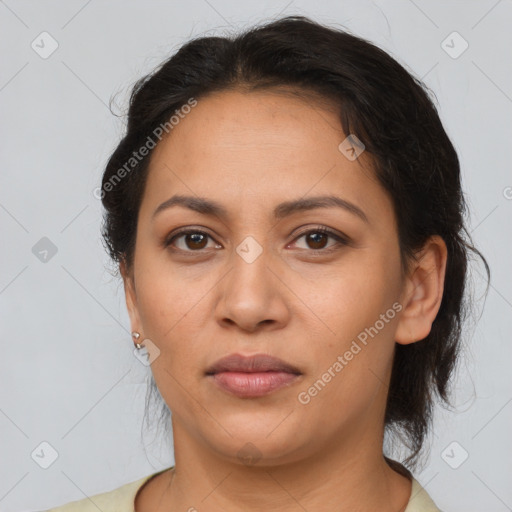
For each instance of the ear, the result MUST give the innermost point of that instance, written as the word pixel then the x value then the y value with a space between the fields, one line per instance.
pixel 423 292
pixel 131 297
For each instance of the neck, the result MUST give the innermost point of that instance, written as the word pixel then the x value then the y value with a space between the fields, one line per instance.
pixel 347 477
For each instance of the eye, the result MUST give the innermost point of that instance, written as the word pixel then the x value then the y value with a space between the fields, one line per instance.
pixel 316 240
pixel 193 240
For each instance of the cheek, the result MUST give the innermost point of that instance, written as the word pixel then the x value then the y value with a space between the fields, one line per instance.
pixel 347 298
pixel 172 318
pixel 166 299
pixel 350 367
pixel 354 320
pixel 177 315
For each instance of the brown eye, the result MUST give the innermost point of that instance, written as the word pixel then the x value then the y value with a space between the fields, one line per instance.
pixel 317 240
pixel 196 240
pixel 190 241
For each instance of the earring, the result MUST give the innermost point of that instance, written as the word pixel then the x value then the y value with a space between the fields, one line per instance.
pixel 136 336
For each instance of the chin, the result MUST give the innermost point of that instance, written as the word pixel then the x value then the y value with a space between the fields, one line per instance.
pixel 255 445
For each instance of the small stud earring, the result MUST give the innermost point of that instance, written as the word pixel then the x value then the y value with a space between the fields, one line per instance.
pixel 136 336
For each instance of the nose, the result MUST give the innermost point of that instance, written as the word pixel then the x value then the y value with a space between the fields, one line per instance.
pixel 252 296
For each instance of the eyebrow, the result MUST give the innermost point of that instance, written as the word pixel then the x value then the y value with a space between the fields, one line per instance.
pixel 282 210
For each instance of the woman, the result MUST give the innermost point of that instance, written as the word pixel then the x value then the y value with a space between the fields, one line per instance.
pixel 287 215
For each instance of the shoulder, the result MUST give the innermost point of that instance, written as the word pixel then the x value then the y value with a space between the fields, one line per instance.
pixel 420 501
pixel 117 500
pixel 122 499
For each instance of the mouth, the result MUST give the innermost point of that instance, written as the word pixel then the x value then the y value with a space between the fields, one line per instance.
pixel 253 376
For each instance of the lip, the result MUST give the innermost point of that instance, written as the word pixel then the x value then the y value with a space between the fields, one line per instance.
pixel 252 376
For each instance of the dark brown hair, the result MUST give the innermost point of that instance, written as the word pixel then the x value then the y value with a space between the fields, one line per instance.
pixel 381 103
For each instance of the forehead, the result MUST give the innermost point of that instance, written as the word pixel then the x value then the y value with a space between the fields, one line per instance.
pixel 260 118
pixel 254 147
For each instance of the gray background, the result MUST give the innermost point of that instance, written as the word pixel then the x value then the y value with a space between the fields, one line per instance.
pixel 68 376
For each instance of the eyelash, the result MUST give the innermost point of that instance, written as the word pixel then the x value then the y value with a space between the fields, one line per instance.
pixel 341 241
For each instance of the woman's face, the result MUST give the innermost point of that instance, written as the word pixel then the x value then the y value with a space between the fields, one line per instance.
pixel 252 281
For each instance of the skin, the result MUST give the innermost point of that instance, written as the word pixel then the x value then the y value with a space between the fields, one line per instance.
pixel 203 301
